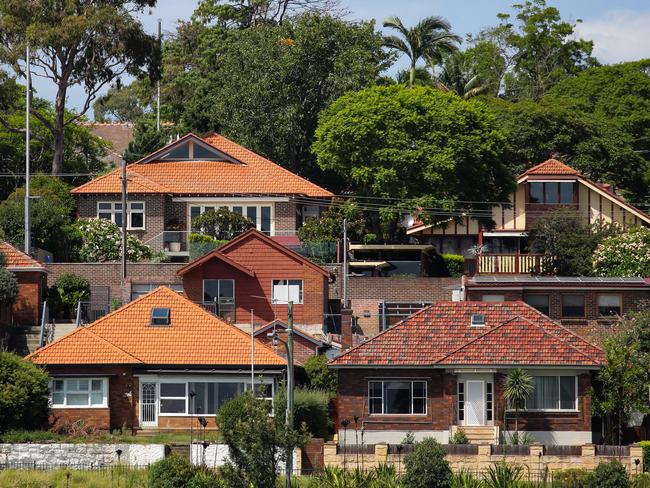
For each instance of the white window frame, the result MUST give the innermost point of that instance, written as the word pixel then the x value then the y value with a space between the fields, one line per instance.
pixel 559 399
pixel 279 301
pixel 113 211
pixel 161 397
pixel 620 304
pixel 230 205
pixel 218 303
pixel 65 380
pixel 383 403
pixel 177 287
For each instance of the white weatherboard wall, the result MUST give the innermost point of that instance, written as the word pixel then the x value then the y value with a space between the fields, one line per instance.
pixel 216 455
pixel 80 454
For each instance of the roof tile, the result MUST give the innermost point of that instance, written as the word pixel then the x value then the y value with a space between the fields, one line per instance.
pixel 551 167
pixel 15 259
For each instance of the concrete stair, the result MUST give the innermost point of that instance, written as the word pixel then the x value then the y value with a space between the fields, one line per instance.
pixel 61 329
pixel 478 434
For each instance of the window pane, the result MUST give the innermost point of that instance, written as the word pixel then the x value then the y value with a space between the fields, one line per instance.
pixel 493 298
pixel 198 403
pixel 266 220
pixel 226 290
pixel 118 218
pixel 540 302
pixel 546 394
pixel 536 192
pixel 172 389
pixel 57 398
pixel 280 291
pixel 375 389
pixel 57 385
pixel 194 212
pixel 551 193
pixel 573 305
pixel 105 206
pixel 295 291
pixel 397 397
pixel 203 153
pixel 136 205
pixel 97 385
pixel 181 152
pixel 172 406
pixel 566 192
pixel 105 216
pixel 251 213
pixel 609 305
pixel 419 405
pixel 96 398
pixel 228 391
pixel 77 398
pixel 419 389
pixel 375 405
pixel 238 210
pixel 210 290
pixel 568 392
pixel 137 220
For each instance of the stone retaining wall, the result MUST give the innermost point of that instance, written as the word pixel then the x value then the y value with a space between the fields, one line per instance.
pixel 80 454
pixel 536 461
pixel 215 455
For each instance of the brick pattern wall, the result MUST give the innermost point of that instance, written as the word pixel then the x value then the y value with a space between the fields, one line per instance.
pixel 285 219
pixel 154 214
pixel 366 293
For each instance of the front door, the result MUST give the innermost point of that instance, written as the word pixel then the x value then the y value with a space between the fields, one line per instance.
pixel 149 405
pixel 474 402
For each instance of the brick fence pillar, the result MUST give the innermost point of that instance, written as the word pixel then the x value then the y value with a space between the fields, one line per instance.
pixel 636 453
pixel 381 454
pixel 535 462
pixel 588 456
pixel 330 456
pixel 483 458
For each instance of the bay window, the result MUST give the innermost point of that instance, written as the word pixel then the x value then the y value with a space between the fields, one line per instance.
pixel 79 392
pixel 554 393
pixel 113 211
pixel 285 291
pixel 397 397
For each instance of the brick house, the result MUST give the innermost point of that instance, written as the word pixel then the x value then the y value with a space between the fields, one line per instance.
pixel 192 175
pixel 586 305
pixel 254 272
pixel 540 189
pixel 158 362
pixel 32 286
pixel 444 368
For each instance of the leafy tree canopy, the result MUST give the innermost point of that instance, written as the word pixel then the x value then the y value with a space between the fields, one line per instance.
pixel 414 143
pixel 625 254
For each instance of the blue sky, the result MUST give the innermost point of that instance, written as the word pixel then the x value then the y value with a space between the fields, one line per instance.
pixel 620 29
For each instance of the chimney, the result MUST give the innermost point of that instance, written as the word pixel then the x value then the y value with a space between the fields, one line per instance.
pixel 346 329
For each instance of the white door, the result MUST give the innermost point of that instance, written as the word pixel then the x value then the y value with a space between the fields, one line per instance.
pixel 148 404
pixel 474 402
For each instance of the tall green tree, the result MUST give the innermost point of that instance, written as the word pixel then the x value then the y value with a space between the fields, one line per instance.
pixel 431 149
pixel 74 43
pixel 430 39
pixel 125 103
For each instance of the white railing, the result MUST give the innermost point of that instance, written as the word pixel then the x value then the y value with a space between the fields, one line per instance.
pixel 510 263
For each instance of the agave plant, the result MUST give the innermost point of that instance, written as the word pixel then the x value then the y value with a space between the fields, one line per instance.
pixel 504 475
pixel 465 479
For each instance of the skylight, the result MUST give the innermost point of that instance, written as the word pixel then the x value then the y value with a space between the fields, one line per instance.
pixel 478 320
pixel 160 316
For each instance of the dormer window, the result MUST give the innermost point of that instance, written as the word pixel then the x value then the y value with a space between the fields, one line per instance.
pixel 478 320
pixel 160 317
pixel 552 192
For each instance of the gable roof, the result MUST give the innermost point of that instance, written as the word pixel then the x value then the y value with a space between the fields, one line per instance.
pixel 242 172
pixel 280 324
pixel 16 260
pixel 222 253
pixel 441 335
pixel 195 337
pixel 551 167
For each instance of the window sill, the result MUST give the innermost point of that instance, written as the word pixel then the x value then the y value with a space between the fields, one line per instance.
pixel 76 407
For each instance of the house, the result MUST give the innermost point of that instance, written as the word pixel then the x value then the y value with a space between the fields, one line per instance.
pixel 586 305
pixel 171 186
pixel 540 189
pixel 254 274
pixel 305 345
pixel 444 368
pixel 32 287
pixel 117 134
pixel 158 362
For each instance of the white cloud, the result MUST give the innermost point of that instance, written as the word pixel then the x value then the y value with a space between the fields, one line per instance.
pixel 618 35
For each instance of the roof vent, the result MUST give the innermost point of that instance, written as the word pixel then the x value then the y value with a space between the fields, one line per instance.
pixel 478 320
pixel 160 316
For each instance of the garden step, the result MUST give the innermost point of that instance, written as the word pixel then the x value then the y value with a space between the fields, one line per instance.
pixel 479 434
pixel 62 329
pixel 180 450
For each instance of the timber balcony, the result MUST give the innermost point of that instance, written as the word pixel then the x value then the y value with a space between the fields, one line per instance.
pixel 514 263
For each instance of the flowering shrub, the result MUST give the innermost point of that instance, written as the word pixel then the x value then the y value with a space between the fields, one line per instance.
pixel 626 254
pixel 102 241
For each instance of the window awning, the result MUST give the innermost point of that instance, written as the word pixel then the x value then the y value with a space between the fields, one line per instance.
pixel 505 234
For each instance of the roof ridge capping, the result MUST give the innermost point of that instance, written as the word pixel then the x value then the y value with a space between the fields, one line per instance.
pixel 551 166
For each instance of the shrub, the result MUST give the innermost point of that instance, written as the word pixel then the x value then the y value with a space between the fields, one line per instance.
pixel 319 375
pixel 459 437
pixel 101 240
pixel 454 264
pixel 23 394
pixel 609 475
pixel 67 291
pixel 172 472
pixel 204 478
pixel 504 475
pixel 222 224
pixel 311 408
pixel 626 254
pixel 426 466
pixel 571 478
pixel 8 286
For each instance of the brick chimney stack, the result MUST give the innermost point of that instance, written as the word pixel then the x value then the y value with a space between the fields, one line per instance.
pixel 346 329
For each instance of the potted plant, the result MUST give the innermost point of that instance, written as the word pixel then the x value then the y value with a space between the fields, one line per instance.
pixel 173 235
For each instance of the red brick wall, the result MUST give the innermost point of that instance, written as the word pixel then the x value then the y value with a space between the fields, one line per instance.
pixel 31 290
pixel 268 264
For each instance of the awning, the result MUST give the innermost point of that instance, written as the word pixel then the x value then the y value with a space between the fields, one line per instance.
pixel 506 234
pixel 369 264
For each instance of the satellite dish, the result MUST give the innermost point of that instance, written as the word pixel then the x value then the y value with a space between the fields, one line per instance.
pixel 407 221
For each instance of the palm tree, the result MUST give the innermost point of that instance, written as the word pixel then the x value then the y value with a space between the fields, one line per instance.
pixel 430 40
pixel 519 386
pixel 457 75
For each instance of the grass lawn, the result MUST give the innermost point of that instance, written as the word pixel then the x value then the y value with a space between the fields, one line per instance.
pixel 44 436
pixel 61 478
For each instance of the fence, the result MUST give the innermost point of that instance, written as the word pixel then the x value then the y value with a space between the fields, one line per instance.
pixel 538 459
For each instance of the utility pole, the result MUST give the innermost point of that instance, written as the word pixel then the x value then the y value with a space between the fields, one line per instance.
pixel 289 419
pixel 28 203
pixel 124 214
pixel 345 263
pixel 158 82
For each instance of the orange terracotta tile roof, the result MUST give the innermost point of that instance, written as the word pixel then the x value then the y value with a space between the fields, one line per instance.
pixel 194 338
pixel 16 260
pixel 514 333
pixel 252 175
pixel 551 167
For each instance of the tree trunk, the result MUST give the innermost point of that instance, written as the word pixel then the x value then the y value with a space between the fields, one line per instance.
pixel 412 74
pixel 58 132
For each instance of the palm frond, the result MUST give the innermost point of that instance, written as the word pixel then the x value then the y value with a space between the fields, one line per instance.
pixel 398 43
pixel 394 22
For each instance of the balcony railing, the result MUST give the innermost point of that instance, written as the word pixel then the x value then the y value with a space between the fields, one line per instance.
pixel 511 263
